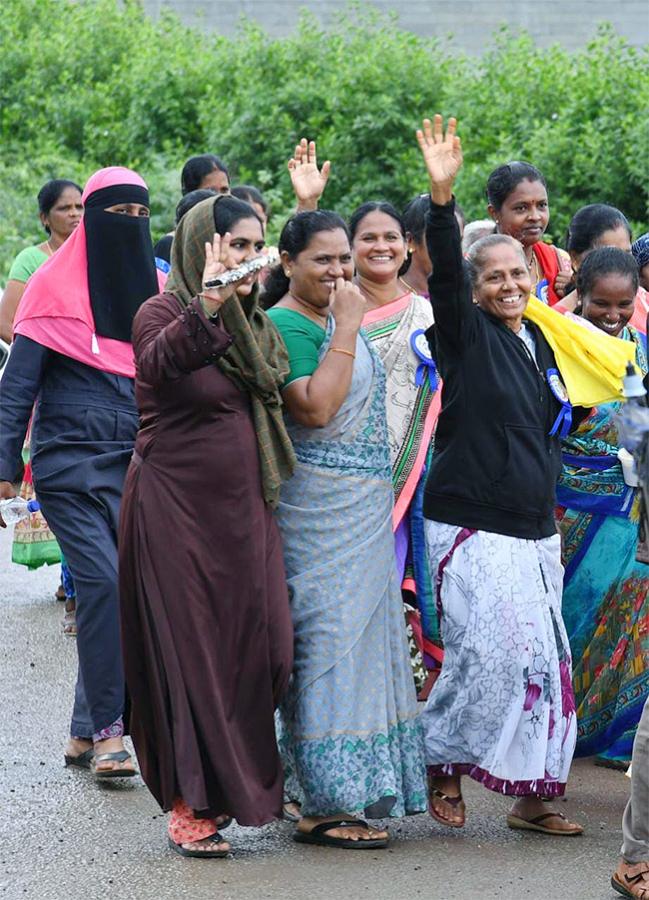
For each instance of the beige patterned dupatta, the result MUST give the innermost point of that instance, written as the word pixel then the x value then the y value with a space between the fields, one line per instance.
pixel 412 407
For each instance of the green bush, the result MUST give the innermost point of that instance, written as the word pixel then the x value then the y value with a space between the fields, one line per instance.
pixel 97 82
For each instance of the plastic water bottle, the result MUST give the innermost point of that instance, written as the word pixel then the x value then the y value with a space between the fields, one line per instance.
pixel 633 419
pixel 16 508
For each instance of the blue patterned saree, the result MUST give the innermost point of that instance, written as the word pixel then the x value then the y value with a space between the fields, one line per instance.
pixel 349 728
pixel 606 590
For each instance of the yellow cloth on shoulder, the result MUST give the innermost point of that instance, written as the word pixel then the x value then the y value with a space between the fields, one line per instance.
pixel 592 364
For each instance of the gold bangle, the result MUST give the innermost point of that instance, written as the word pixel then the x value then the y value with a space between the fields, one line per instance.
pixel 340 350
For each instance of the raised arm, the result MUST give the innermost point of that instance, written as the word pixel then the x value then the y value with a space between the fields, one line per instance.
pixel 167 343
pixel 308 181
pixel 449 285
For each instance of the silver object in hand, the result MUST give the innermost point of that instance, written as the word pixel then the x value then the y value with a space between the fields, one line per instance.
pixel 242 271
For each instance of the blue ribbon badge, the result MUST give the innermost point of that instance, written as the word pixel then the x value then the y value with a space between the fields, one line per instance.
pixel 419 344
pixel 563 422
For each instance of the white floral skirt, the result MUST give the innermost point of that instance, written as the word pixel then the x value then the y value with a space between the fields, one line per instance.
pixel 502 710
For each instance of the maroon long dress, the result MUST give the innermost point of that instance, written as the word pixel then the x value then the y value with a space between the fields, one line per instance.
pixel 206 625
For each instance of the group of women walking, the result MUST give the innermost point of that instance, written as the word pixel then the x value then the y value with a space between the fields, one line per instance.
pixel 291 470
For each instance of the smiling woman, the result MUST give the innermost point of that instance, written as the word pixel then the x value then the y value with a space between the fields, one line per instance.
pixel 340 716
pixel 396 314
pixel 501 710
pixel 606 593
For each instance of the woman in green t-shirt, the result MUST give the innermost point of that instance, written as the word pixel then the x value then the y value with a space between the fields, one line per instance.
pixel 351 704
pixel 60 209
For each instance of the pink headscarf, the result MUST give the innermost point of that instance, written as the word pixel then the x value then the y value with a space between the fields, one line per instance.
pixel 55 309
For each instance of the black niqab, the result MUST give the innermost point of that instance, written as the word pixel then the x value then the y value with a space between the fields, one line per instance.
pixel 121 266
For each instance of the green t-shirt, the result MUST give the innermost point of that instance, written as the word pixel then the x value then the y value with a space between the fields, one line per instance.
pixel 26 263
pixel 303 339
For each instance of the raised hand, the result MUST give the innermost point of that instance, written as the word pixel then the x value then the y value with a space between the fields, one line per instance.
pixel 442 154
pixel 217 260
pixel 308 181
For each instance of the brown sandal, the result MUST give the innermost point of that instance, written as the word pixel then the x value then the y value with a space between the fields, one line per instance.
pixel 634 882
pixel 536 824
pixel 452 802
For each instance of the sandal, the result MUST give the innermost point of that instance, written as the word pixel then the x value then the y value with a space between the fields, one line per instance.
pixel 452 802
pixel 82 761
pixel 118 756
pixel 215 838
pixel 535 824
pixel 318 835
pixel 70 619
pixel 633 882
pixel 287 813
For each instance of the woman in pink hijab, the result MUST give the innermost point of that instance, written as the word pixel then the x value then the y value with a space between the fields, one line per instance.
pixel 72 355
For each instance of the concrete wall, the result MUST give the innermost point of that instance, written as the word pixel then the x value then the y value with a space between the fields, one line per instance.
pixel 471 22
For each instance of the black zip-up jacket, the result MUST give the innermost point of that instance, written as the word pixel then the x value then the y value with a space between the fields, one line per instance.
pixel 495 466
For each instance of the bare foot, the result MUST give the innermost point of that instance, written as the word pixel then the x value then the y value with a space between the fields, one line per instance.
pixel 634 878
pixel 445 800
pixel 360 832
pixel 530 807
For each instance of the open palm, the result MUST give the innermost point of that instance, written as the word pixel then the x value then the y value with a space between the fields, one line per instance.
pixel 442 152
pixel 308 181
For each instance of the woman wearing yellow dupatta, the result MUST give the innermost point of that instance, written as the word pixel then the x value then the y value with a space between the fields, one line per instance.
pixel 606 585
pixel 502 710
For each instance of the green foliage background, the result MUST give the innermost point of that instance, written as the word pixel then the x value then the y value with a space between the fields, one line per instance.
pixel 97 82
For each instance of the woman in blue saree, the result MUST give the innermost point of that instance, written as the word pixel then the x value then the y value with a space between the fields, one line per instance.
pixel 350 732
pixel 605 598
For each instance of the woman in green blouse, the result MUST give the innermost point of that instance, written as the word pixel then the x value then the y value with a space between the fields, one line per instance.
pixel 60 209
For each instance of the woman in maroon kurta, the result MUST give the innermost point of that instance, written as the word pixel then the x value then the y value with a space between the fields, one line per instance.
pixel 205 618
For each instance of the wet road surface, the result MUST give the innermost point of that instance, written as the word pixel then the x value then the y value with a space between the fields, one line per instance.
pixel 64 837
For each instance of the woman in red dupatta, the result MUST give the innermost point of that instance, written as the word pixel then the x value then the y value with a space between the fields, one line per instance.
pixel 518 203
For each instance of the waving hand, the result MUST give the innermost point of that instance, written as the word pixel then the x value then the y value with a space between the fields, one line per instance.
pixel 442 154
pixel 308 181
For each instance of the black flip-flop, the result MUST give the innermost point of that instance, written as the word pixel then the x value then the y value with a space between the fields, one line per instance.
pixel 118 756
pixel 216 838
pixel 82 761
pixel 318 835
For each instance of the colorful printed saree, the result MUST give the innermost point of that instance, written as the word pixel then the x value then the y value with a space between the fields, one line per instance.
pixel 413 401
pixel 605 598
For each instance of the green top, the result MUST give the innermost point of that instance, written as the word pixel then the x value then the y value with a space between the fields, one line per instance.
pixel 26 263
pixel 303 339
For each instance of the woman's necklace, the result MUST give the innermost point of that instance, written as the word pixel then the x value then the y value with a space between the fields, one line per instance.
pixel 309 311
pixel 406 285
pixel 374 302
pixel 534 270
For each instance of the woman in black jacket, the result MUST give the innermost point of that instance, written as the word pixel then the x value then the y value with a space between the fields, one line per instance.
pixel 502 710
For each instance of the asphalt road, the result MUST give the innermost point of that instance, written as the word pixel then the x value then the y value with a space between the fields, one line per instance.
pixel 64 837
